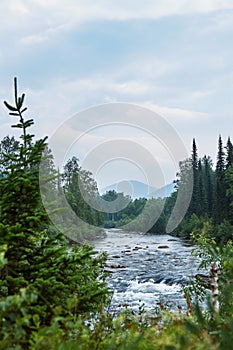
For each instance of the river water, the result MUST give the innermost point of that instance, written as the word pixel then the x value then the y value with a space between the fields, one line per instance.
pixel 147 269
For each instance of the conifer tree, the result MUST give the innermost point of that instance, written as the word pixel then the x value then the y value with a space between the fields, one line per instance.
pixel 8 146
pixel 35 261
pixel 193 208
pixel 202 205
pixel 229 192
pixel 209 183
pixel 229 153
pixel 228 171
pixel 220 185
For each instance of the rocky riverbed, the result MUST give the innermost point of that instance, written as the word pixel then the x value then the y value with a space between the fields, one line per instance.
pixel 147 269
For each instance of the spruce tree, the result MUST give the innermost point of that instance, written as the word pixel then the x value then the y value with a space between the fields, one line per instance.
pixel 229 153
pixel 228 171
pixel 209 183
pixel 193 208
pixel 8 146
pixel 36 261
pixel 220 205
pixel 202 205
pixel 229 181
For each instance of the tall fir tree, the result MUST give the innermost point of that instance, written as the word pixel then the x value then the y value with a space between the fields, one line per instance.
pixel 193 208
pixel 229 166
pixel 229 153
pixel 35 261
pixel 209 183
pixel 220 205
pixel 229 192
pixel 201 203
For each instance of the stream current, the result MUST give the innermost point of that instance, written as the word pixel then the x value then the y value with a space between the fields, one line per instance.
pixel 147 269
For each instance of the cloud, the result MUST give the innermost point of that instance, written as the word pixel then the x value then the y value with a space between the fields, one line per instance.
pixel 33 39
pixel 121 10
pixel 177 114
pixel 74 54
pixel 63 98
pixel 38 19
pixel 220 22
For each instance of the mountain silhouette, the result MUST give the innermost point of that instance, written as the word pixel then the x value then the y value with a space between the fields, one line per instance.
pixel 137 189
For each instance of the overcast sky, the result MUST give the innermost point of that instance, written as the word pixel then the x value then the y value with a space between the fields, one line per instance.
pixel 174 57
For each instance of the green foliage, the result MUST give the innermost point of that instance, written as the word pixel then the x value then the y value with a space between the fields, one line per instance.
pixel 114 202
pixel 229 192
pixel 229 153
pixel 54 297
pixel 130 217
pixel 217 325
pixel 40 274
pixel 21 328
pixel 80 189
pixel 65 196
pixel 212 194
pixel 220 204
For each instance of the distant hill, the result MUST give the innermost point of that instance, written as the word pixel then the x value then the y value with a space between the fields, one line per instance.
pixel 137 189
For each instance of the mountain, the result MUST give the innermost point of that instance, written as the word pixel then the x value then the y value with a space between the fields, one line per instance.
pixel 138 189
pixel 164 191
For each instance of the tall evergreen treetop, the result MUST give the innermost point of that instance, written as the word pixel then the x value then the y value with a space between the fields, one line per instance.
pixel 194 202
pixel 209 183
pixel 229 153
pixel 220 205
pixel 220 165
pixel 37 262
pixel 194 156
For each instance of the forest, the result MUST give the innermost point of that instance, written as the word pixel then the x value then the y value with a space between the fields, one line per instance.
pixel 211 202
pixel 53 290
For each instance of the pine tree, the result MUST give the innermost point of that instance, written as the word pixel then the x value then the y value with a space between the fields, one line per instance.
pixel 35 261
pixel 209 183
pixel 228 171
pixel 202 205
pixel 229 192
pixel 229 153
pixel 193 208
pixel 220 205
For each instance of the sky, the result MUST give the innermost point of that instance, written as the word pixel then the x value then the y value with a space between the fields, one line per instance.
pixel 172 57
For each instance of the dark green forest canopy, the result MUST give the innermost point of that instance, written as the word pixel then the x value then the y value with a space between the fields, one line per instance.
pixel 211 199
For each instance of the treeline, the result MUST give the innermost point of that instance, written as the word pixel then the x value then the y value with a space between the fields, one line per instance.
pixel 212 197
pixel 210 205
pixel 140 214
pixel 69 185
pixel 55 297
pixel 131 209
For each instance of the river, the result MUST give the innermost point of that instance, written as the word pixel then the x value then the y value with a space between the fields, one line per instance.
pixel 147 269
